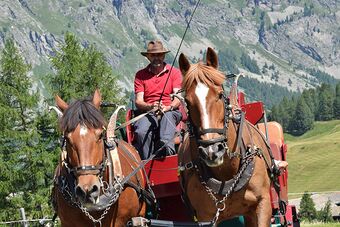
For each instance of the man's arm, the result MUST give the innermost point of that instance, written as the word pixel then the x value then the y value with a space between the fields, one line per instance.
pixel 142 105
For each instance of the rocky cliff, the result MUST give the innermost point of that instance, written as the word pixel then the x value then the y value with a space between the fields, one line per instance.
pixel 293 36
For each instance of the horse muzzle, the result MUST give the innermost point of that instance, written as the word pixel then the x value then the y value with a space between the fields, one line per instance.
pixel 212 154
pixel 88 193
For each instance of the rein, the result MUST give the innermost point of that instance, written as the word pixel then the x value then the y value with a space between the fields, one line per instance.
pixel 179 47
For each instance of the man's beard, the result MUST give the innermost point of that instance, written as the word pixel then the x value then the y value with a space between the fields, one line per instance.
pixel 157 63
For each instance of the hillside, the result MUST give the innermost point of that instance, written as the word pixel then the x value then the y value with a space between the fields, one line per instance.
pixel 285 39
pixel 314 159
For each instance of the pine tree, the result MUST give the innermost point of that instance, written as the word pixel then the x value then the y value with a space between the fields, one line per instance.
pixel 311 99
pixel 24 164
pixel 228 61
pixel 249 64
pixel 79 71
pixel 303 119
pixel 307 208
pixel 274 114
pixel 326 101
pixel 286 108
pixel 337 102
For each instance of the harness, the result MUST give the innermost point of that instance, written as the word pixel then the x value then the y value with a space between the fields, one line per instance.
pixel 65 181
pixel 245 152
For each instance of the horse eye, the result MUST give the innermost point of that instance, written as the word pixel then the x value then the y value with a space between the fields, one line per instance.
pixel 67 139
pixel 100 137
pixel 219 96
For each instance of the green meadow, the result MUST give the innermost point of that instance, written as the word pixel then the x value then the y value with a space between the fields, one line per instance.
pixel 314 159
pixel 337 224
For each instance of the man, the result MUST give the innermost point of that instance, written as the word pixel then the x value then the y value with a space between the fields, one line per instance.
pixel 153 82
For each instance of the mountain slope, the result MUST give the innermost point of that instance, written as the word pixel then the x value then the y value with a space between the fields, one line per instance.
pixel 293 36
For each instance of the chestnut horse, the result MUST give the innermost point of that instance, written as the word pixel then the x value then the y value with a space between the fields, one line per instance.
pixel 224 159
pixel 97 181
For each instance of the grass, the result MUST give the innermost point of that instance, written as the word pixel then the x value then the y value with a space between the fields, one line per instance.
pixel 336 224
pixel 314 162
pixel 52 21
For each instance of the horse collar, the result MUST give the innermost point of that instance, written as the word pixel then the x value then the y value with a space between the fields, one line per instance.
pixel 225 188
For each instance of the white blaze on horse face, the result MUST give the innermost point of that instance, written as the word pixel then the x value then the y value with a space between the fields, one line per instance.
pixel 83 130
pixel 201 93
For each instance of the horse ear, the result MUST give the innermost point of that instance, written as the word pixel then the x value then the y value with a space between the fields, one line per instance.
pixel 62 105
pixel 97 98
pixel 184 64
pixel 212 59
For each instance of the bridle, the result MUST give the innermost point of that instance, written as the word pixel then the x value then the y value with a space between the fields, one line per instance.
pixel 222 139
pixel 111 190
pixel 97 170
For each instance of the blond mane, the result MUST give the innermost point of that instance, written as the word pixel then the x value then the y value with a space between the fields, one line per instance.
pixel 204 74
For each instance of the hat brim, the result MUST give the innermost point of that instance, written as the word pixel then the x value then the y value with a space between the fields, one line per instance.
pixel 154 52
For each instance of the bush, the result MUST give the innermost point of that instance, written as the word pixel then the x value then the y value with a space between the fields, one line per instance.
pixel 325 214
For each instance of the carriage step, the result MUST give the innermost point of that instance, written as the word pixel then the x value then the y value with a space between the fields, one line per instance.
pixel 143 222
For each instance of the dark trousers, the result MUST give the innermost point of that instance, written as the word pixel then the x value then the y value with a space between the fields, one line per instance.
pixel 148 129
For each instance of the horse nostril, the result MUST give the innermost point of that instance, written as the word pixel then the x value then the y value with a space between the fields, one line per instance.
pixel 202 151
pixel 80 192
pixel 220 147
pixel 94 189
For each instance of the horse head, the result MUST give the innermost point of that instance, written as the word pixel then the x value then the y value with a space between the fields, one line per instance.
pixel 207 106
pixel 82 125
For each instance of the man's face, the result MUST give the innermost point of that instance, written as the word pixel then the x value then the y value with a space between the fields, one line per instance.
pixel 156 60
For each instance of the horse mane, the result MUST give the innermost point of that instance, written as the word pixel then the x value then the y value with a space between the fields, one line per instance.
pixel 204 74
pixel 82 112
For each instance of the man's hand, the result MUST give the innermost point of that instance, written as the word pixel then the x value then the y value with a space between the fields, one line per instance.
pixel 159 108
pixel 156 106
pixel 166 108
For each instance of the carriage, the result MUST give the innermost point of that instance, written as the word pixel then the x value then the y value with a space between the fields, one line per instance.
pixel 223 169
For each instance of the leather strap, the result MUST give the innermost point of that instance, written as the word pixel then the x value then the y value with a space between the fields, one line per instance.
pixel 221 187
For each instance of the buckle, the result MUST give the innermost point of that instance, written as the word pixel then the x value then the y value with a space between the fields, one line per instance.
pixel 110 144
pixel 186 166
pixel 189 165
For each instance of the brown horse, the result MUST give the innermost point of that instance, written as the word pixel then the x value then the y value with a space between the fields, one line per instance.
pixel 223 160
pixel 97 181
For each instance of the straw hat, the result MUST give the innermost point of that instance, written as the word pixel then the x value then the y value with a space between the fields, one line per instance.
pixel 155 47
